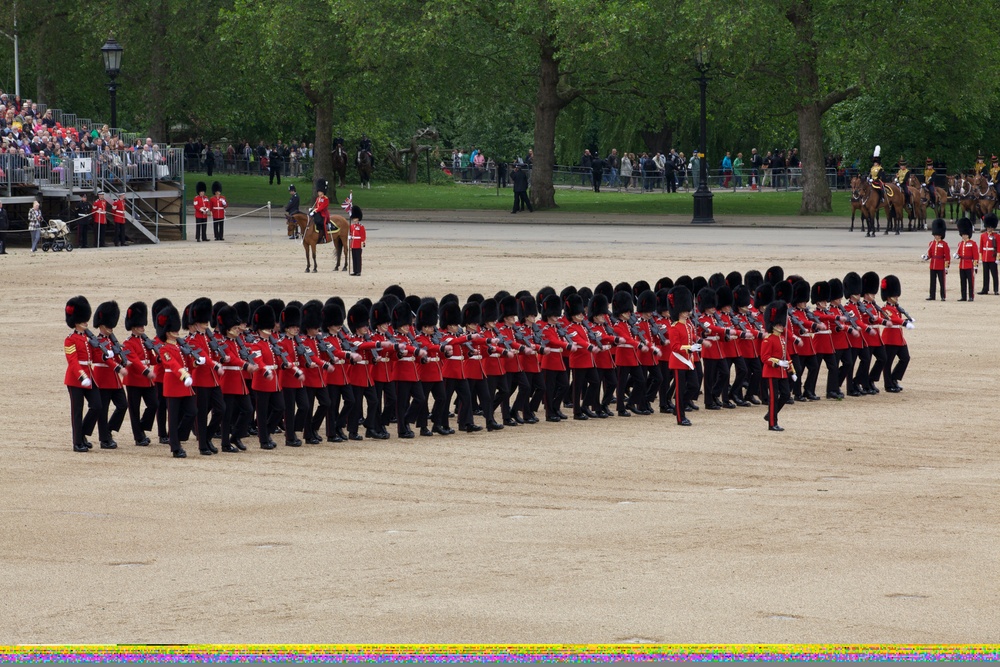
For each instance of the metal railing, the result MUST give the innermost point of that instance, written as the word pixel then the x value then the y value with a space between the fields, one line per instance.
pixel 87 170
pixel 291 168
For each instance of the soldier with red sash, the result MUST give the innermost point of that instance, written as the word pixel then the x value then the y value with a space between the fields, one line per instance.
pixel 774 357
pixel 988 253
pixel 320 211
pixel 139 384
pixel 218 204
pixel 939 256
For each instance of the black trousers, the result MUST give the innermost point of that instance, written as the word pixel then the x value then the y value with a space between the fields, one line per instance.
pixel 878 365
pixel 713 369
pixel 778 393
pixel 117 398
pixel 807 369
pixel 609 385
pixel 92 396
pixel 863 357
pixel 356 261
pixel 845 366
pixel 586 390
pixel 518 380
pixel 529 394
pixel 312 419
pixel 201 229
pixel 97 414
pixel 295 401
pixel 754 369
pixel 267 402
pixel 685 391
pixel 161 412
pixel 721 391
pixel 501 394
pixel 236 418
pixel 142 421
pixel 336 417
pixel 736 389
pixel 207 399
pixel 410 395
pixel 938 276
pixel 273 172
pixel 654 379
pixel 439 412
pixel 521 201
pixel 967 281
pixel 479 391
pixel 990 271
pixel 893 374
pixel 667 380
pixel 363 395
pixel 555 389
pixel 100 231
pixel 180 416
pixel 386 392
pixel 832 372
pixel 631 381
pixel 459 388
pixel 218 228
pixel 596 179
pixel 120 234
pixel 84 230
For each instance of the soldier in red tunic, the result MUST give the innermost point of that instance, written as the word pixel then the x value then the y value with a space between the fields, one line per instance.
pixel 118 216
pixel 293 377
pixel 968 260
pixel 530 395
pixel 939 256
pixel 431 373
pixel 177 380
pixel 405 374
pixel 202 209
pixel 218 204
pixel 109 372
pixel 988 253
pixel 357 237
pixel 598 312
pixel 315 373
pixel 896 319
pixel 207 373
pixel 684 344
pixel 339 393
pixel 139 384
pixel 774 356
pixel 100 212
pixel 161 401
pixel 266 385
pixel 236 417
pixel 82 351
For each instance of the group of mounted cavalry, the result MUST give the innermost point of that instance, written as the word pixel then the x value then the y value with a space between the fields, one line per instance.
pixel 972 195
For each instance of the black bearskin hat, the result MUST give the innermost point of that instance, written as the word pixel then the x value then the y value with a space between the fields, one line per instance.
pixel 869 283
pixel 357 317
pixel 706 299
pixel 598 306
pixel 715 280
pixel 356 213
pixel 605 288
pixel 366 302
pixel 427 315
pixel 448 298
pixel 333 316
pixel 566 291
pixel 490 310
pixel 381 313
pixel 820 291
pixel 526 307
pixel 775 312
pixel 836 289
pixel 337 300
pixel 398 291
pixel 646 302
pixel 322 185
pixel 664 283
pixel 107 315
pixel 680 300
pixel 508 307
pixel 471 313
pixel 662 302
pixel 159 305
pixel 216 187
pixel 574 305
pixel 401 316
pixel 964 226
pixel 891 287
pixel 451 314
pixel 390 300
pixel 277 305
pixel 413 301
pixel 216 307
pixel 291 316
pixel 312 315
pixel 774 275
pixel 638 287
pixel 475 297
pixel 186 317
pixel 621 303
pixel 622 287
pixel 753 279
pixel 698 283
pixel 499 296
pixel 686 281
pixel 166 320
pixel 852 284
pixel 200 187
pixel 734 279
pixel 763 295
pixel 783 291
pixel 742 297
pixel 724 296
pixel 800 292
pixel 542 293
pixel 226 319
pixel 586 294
pixel 990 221
pixel 551 307
pixel 938 227
pixel 136 315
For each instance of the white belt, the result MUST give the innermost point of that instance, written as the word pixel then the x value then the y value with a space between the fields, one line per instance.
pixel 270 368
pixel 363 362
pixel 84 363
pixel 407 358
pixel 382 360
pixel 824 332
pixel 232 368
pixel 100 365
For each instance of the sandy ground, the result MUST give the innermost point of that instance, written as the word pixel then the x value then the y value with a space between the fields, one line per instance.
pixel 868 520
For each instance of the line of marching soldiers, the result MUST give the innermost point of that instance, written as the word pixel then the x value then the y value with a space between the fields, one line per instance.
pixel 266 368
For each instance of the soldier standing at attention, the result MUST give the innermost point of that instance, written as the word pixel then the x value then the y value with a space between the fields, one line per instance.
pixel 202 207
pixel 988 253
pixel 218 205
pixel 968 260
pixel 118 216
pixel 939 256
pixel 358 238
pixel 101 219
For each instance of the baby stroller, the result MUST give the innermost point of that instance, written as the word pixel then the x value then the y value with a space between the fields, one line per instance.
pixel 54 237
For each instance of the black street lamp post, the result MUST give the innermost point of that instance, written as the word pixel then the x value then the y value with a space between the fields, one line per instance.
pixel 112 52
pixel 703 196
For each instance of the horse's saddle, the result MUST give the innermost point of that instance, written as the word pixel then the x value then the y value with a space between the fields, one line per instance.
pixel 877 184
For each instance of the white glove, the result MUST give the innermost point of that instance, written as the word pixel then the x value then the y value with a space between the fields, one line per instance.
pixel 909 325
pixel 86 383
pixel 108 354
pixel 188 381
pixel 783 364
pixel 955 256
pixel 924 257
pixel 200 361
pixel 794 377
pixel 696 347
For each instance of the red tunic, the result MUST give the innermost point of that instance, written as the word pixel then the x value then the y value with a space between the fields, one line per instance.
pixel 231 380
pixel 176 368
pixel 432 370
pixel 291 377
pixel 140 359
pixel 774 346
pixel 988 246
pixel 205 374
pixel 266 377
pixel 118 211
pixel 939 255
pixel 336 373
pixel 79 357
pixel 896 322
pixel 218 204
pixel 358 235
pixel 553 361
pixel 100 211
pixel 871 317
pixel 202 207
pixel 682 334
pixel 968 254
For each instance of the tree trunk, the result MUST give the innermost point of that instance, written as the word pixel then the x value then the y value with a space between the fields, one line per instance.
pixel 816 196
pixel 659 141
pixel 547 107
pixel 323 143
pixel 411 175
pixel 158 126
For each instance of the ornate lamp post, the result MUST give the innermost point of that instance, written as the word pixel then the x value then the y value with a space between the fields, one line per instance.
pixel 112 52
pixel 703 196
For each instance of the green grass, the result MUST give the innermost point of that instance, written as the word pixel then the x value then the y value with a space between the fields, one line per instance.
pixel 254 191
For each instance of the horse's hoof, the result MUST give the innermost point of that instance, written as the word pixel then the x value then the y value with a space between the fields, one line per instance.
pixel 307 269
pixel 314 269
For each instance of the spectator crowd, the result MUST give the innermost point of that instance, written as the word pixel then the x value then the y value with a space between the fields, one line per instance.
pixel 277 160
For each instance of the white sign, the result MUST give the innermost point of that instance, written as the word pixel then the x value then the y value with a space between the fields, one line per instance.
pixel 82 165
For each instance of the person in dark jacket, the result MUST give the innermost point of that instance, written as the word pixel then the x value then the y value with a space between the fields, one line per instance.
pixel 597 171
pixel 4 226
pixel 519 179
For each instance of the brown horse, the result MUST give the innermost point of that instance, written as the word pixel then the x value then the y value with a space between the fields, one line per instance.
pixel 340 164
pixel 961 196
pixel 311 238
pixel 895 203
pixel 864 199
pixel 986 198
pixel 364 162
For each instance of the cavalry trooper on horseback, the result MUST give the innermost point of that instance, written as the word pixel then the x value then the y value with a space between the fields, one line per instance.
pixel 929 173
pixel 980 168
pixel 291 208
pixel 365 146
pixel 902 175
pixel 877 173
pixel 320 210
pixel 994 170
